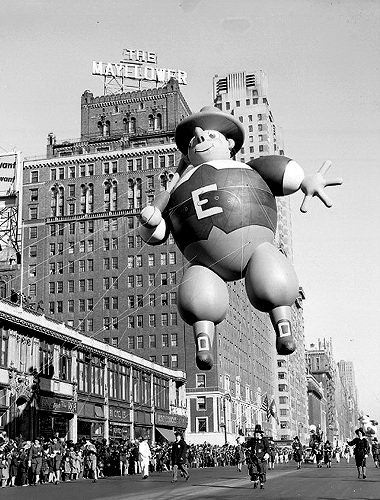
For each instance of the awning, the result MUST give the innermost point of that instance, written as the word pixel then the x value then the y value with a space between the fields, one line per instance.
pixel 168 434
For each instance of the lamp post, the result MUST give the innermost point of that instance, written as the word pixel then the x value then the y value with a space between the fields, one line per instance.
pixel 225 397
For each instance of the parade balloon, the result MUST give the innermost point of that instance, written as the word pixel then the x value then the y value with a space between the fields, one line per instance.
pixel 223 216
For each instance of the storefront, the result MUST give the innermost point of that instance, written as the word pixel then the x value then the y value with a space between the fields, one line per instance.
pixel 90 420
pixel 119 422
pixel 167 424
pixel 54 416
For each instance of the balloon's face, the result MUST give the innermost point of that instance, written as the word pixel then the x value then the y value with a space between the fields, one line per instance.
pixel 208 145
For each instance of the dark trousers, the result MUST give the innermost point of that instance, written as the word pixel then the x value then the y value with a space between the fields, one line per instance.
pixel 179 467
pixel 258 470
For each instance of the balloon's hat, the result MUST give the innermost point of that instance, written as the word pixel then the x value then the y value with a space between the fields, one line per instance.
pixel 209 118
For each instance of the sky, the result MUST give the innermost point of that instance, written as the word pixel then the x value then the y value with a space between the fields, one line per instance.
pixel 322 59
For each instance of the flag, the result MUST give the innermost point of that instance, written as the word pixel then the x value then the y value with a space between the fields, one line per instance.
pixel 265 406
pixel 273 410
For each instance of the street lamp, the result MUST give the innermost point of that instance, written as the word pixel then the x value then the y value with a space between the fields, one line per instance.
pixel 225 397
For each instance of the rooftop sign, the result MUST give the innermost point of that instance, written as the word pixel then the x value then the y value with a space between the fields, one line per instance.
pixel 138 65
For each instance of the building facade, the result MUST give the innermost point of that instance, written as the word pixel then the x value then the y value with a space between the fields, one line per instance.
pixel 317 405
pixel 54 379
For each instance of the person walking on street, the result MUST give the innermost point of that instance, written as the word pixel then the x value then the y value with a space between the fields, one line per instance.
pixel 297 451
pixel 327 449
pixel 144 457
pixel 361 452
pixel 257 457
pixel 375 451
pixel 178 457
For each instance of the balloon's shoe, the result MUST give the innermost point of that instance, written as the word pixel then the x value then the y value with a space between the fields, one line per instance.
pixel 285 343
pixel 204 357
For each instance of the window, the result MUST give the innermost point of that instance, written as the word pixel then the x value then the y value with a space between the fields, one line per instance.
pixel 82 266
pixel 228 105
pixel 174 340
pixel 33 232
pixel 247 102
pixel 164 299
pixel 90 285
pixel 152 341
pixel 152 280
pixel 152 359
pixel 164 259
pixel 140 321
pixel 90 304
pixel 174 361
pixel 106 323
pixel 164 319
pixel 52 287
pixel 70 305
pixel 130 321
pixel 200 380
pixel 173 319
pixel 173 298
pixel 201 403
pixel 172 258
pixel 202 424
pixel 138 260
pixel 165 340
pixel 34 176
pixel 152 320
pixel 71 267
pixel 34 195
pixel 261 148
pixel 164 278
pixel 131 342
pixel 140 342
pixel 115 341
pixel 32 270
pixel 139 280
pixel 70 286
pixel 106 263
pixel 33 213
pixel 165 360
pixel 172 278
pixel 130 242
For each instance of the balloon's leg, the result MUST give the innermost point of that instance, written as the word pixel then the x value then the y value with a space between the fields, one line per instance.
pixel 204 338
pixel 202 303
pixel 272 286
pixel 281 321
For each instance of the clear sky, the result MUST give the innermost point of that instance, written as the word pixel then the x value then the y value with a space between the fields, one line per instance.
pixel 322 59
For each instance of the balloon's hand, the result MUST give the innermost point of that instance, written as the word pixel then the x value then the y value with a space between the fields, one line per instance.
pixel 150 216
pixel 314 185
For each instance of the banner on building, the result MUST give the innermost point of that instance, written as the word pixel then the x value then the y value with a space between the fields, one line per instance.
pixel 8 165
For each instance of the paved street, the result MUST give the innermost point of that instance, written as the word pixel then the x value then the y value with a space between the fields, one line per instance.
pixel 285 482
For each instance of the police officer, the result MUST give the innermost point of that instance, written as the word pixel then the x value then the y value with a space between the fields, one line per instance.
pixel 179 457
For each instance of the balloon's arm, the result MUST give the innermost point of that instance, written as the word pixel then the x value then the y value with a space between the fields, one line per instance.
pixel 283 175
pixel 153 227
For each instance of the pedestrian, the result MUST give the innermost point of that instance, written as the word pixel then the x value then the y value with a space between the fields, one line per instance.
pixel 179 457
pixel 297 451
pixel 375 451
pixel 90 454
pixel 4 470
pixel 35 461
pixel 347 453
pixel 327 450
pixel 361 452
pixel 56 452
pixel 319 453
pixel 144 457
pixel 257 456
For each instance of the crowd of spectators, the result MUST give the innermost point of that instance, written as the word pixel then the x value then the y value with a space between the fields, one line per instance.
pixel 55 460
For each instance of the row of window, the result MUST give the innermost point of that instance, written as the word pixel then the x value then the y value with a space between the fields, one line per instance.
pixel 167 340
pixel 166 360
pixel 107 168
pixel 166 319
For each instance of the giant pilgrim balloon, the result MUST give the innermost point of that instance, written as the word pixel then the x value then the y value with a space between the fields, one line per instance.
pixel 222 214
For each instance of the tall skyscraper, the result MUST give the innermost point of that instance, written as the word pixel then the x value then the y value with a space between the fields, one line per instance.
pixel 245 95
